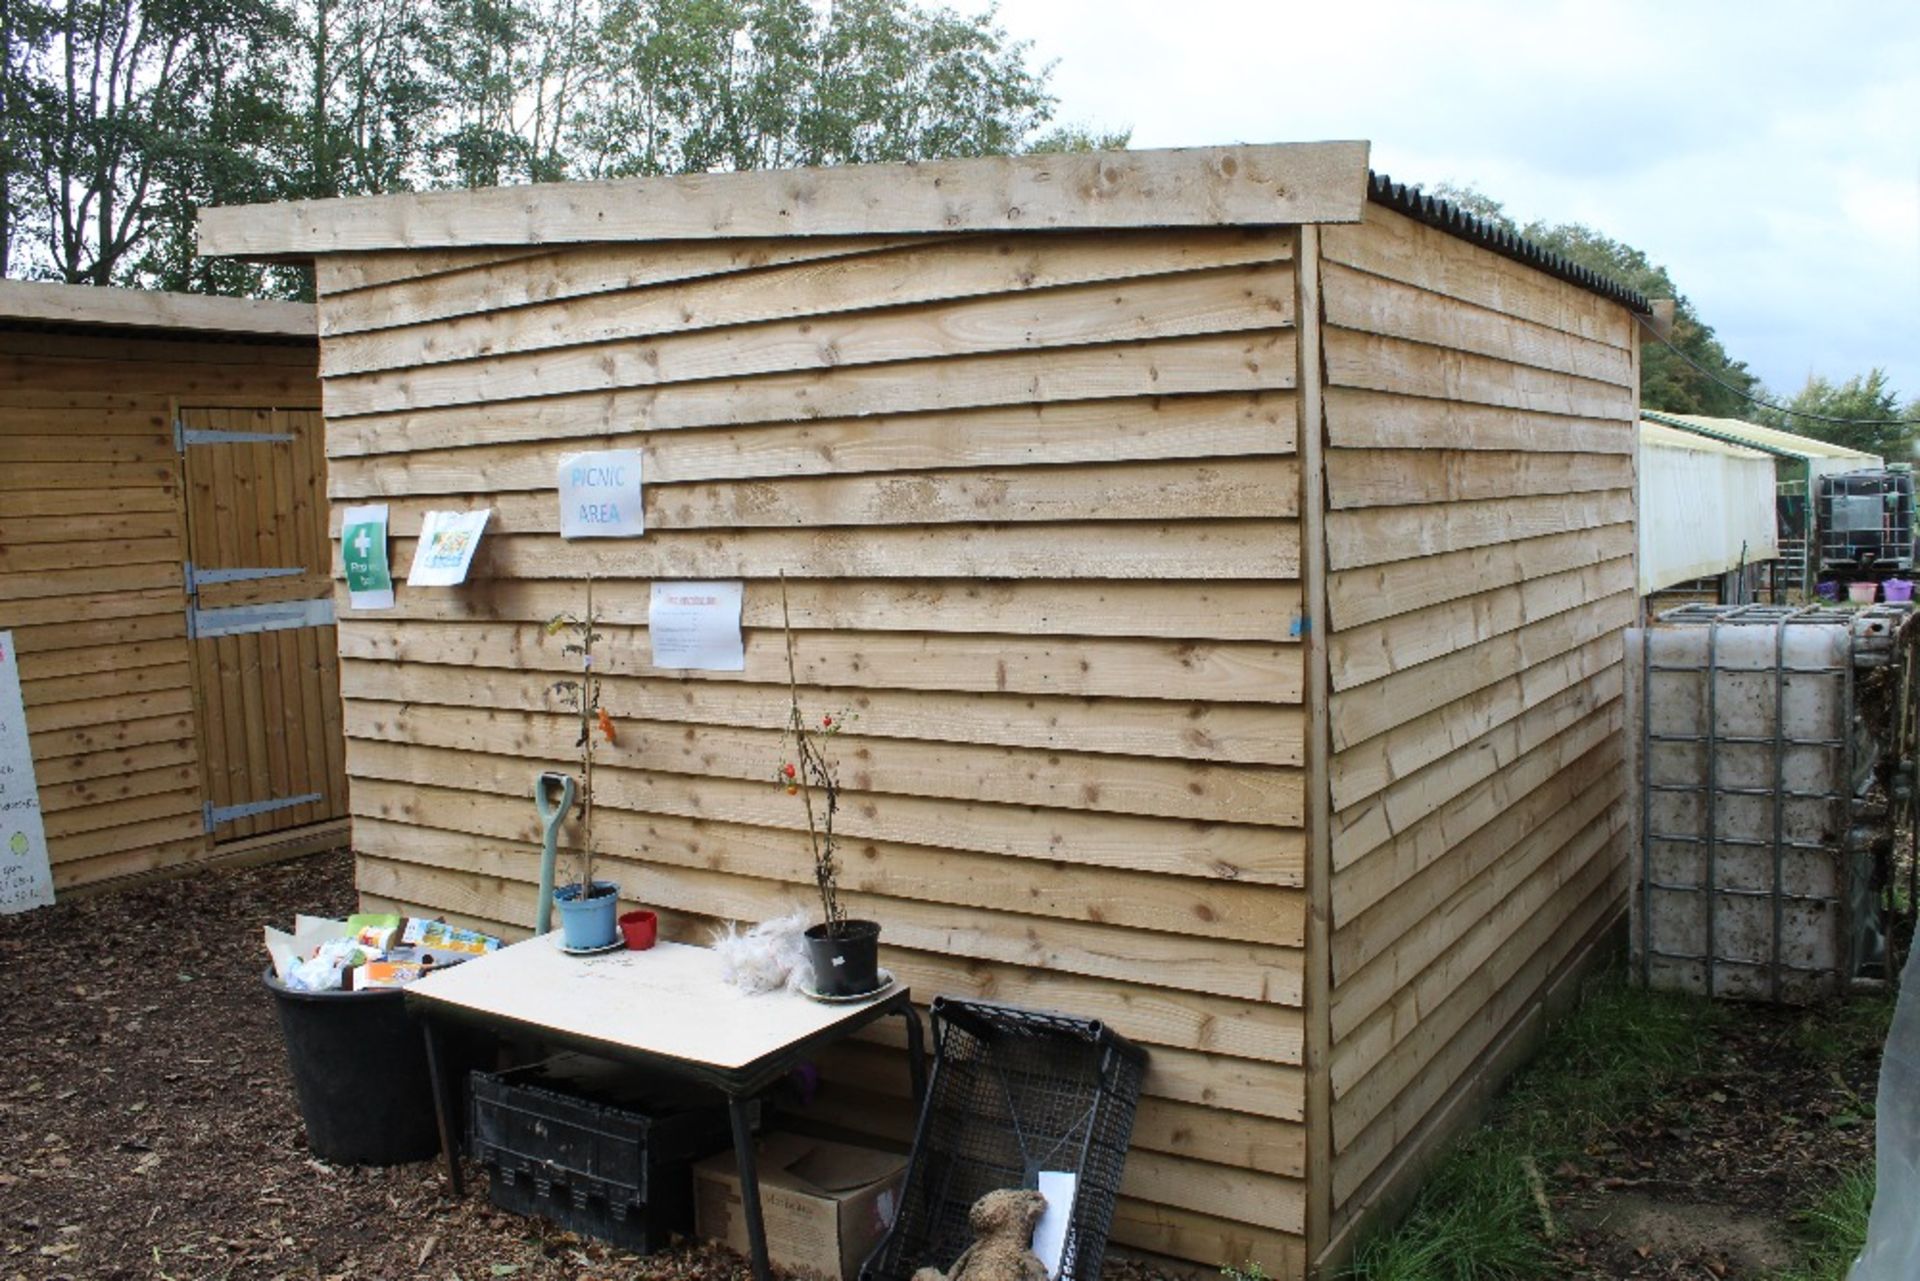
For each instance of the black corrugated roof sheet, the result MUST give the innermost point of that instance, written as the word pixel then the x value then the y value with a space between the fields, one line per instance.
pixel 1451 218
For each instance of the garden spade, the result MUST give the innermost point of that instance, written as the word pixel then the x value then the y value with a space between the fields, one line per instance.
pixel 551 817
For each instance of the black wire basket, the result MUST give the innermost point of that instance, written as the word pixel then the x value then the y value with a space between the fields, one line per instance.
pixel 1014 1092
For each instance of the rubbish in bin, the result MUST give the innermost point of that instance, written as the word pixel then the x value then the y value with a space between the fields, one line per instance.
pixel 324 971
pixel 376 974
pixel 367 952
pixel 376 933
pixel 438 936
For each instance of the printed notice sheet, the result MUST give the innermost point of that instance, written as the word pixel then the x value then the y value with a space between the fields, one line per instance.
pixel 447 543
pixel 363 552
pixel 696 626
pixel 25 879
pixel 600 495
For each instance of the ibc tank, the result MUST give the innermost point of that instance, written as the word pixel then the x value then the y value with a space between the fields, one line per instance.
pixel 1750 880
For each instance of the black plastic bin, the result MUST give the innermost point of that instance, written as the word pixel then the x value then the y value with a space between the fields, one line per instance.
pixel 360 1070
pixel 1014 1092
pixel 600 1150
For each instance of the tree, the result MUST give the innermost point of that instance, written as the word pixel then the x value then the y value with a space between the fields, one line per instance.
pixel 1880 425
pixel 119 119
pixel 363 95
pixel 698 85
pixel 1694 374
pixel 509 75
pixel 25 26
pixel 121 93
pixel 1079 138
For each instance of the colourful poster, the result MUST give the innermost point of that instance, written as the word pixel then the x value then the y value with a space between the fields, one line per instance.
pixel 448 541
pixel 25 878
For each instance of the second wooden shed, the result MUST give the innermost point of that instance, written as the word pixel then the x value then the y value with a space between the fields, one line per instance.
pixel 1226 554
pixel 163 571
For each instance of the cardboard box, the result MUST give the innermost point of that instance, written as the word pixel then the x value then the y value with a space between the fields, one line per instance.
pixel 826 1205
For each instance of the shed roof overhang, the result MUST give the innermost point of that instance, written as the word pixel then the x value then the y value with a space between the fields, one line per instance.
pixel 1190 187
pixel 46 304
pixel 1270 184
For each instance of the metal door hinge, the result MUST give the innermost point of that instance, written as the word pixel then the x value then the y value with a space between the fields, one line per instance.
pixel 184 436
pixel 197 577
pixel 214 815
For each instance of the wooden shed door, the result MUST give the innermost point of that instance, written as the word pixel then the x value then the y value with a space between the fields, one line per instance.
pixel 260 602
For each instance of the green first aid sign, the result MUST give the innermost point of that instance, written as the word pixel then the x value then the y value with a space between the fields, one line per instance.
pixel 363 552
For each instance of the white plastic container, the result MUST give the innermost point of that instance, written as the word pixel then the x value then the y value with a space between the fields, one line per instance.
pixel 1744 882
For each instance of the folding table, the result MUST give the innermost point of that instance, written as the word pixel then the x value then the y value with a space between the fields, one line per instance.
pixel 666 1008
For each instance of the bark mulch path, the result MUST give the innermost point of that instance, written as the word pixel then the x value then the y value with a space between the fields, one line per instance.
pixel 1708 1180
pixel 148 1126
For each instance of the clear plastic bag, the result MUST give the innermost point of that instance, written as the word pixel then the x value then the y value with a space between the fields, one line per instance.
pixel 770 956
pixel 322 972
pixel 1893 1233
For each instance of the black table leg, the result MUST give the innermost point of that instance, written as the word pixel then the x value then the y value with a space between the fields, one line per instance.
pixel 749 1187
pixel 443 1106
pixel 916 1055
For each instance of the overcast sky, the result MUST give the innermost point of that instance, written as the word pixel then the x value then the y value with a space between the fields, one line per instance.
pixel 1767 154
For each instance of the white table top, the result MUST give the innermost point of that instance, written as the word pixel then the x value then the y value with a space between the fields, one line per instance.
pixel 668 1000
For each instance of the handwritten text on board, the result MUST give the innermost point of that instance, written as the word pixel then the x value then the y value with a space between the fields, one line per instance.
pixel 25 879
pixel 601 495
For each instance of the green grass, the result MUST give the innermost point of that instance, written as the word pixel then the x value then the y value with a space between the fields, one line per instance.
pixel 1847 1032
pixel 1475 1218
pixel 1834 1228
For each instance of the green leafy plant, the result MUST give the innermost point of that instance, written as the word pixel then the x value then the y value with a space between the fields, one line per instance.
pixel 809 772
pixel 582 697
pixel 1833 1230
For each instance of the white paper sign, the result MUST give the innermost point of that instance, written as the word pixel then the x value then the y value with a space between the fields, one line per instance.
pixel 25 879
pixel 696 626
pixel 447 543
pixel 600 495
pixel 1050 1234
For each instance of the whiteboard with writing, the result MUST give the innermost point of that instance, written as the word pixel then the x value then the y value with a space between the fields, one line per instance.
pixel 25 880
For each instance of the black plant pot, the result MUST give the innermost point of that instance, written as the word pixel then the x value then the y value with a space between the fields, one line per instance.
pixel 846 963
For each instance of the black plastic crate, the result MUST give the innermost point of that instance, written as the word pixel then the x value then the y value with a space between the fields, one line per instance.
pixel 1014 1092
pixel 596 1149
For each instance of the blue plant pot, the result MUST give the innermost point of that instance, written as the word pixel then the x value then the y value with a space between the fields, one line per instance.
pixel 588 922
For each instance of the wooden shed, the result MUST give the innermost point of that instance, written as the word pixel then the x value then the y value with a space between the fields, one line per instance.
pixel 164 572
pixel 1226 554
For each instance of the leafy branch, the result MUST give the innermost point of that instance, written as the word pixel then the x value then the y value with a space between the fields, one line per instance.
pixel 809 771
pixel 582 697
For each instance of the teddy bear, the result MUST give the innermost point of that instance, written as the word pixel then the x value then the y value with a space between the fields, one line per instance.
pixel 1002 1224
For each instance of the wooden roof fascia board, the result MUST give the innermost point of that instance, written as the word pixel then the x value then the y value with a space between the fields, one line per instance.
pixel 1274 184
pixel 96 305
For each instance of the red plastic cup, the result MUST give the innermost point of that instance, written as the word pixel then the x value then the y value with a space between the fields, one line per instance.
pixel 640 928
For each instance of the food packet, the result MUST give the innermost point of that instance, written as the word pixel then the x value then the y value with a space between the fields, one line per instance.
pixel 374 931
pixel 438 936
pixel 378 974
